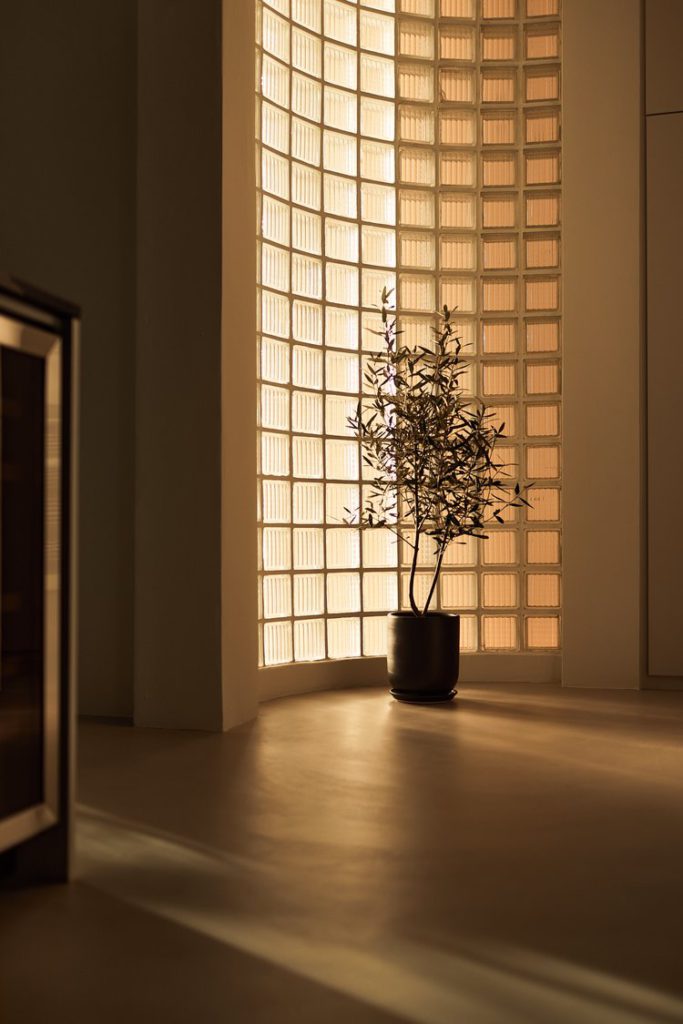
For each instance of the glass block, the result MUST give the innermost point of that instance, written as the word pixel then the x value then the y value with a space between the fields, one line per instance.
pixel 308 548
pixel 339 153
pixel 542 293
pixel 377 75
pixel 306 97
pixel 307 504
pixel 499 211
pixel 375 636
pixel 498 85
pixel 277 549
pixel 307 369
pixel 380 548
pixel 457 168
pixel 416 293
pixel 542 251
pixel 500 548
pixel 499 378
pixel 499 44
pixel 468 633
pixel 542 210
pixel 343 592
pixel 543 590
pixel 542 335
pixel 499 169
pixel 341 372
pixel 274 360
pixel 306 186
pixel 277 597
pixel 426 554
pixel 416 82
pixel 425 8
pixel 417 331
pixel 341 328
pixel 339 21
pixel 456 42
pixel 458 293
pixel 380 591
pixel 491 9
pixel 542 84
pixel 275 127
pixel 499 632
pixel 462 552
pixel 309 640
pixel 416 124
pixel 416 209
pixel 377 161
pixel 274 82
pixel 457 211
pixel 498 336
pixel 458 590
pixel 545 505
pixel 500 590
pixel 542 8
pixel 423 582
pixel 458 253
pixel 341 240
pixel 340 110
pixel 307 457
pixel 338 409
pixel 543 632
pixel 416 39
pixel 274 267
pixel 340 196
pixel 307 276
pixel 276 501
pixel 503 417
pixel 307 412
pixel 305 142
pixel 275 174
pixel 417 166
pixel 343 638
pixel 274 454
pixel 343 552
pixel 341 459
pixel 307 13
pixel 458 9
pixel 342 503
pixel 342 284
pixel 543 420
pixel 542 378
pixel 275 35
pixel 307 322
pixel 506 459
pixel 306 52
pixel 279 5
pixel 274 407
pixel 377 119
pixel 376 32
pixel 542 167
pixel 418 250
pixel 543 547
pixel 306 231
pixel 499 253
pixel 341 66
pixel 457 127
pixel 380 5
pixel 277 643
pixel 543 461
pixel 379 246
pixel 498 127
pixel 542 42
pixel 378 203
pixel 457 85
pixel 499 295
pixel 542 126
pixel 374 282
pixel 275 221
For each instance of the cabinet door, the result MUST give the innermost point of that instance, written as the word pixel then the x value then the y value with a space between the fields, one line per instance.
pixel 665 391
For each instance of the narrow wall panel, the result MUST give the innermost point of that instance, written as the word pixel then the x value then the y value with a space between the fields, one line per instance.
pixel 663 46
pixel 665 372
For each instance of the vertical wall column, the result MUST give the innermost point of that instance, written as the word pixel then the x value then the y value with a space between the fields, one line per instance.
pixel 194 405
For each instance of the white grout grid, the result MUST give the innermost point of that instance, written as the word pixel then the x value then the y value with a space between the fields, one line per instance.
pixel 417 149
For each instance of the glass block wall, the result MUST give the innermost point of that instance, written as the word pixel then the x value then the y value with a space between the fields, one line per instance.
pixel 413 144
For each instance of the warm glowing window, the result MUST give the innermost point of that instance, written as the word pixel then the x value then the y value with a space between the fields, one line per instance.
pixel 416 147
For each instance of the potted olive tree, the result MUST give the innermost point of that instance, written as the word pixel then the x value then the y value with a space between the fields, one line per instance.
pixel 430 449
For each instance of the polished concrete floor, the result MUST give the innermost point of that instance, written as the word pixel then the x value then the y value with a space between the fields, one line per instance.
pixel 516 857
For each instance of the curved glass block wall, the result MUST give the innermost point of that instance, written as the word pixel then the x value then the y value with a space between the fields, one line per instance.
pixel 413 144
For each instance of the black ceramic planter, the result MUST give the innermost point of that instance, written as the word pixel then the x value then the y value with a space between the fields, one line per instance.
pixel 423 655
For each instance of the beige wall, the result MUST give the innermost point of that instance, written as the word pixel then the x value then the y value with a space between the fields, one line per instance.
pixel 67 224
pixel 603 351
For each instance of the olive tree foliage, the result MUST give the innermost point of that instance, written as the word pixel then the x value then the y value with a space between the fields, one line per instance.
pixel 429 445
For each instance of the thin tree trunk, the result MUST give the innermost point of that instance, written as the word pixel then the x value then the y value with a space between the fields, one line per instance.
pixel 437 570
pixel 413 567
